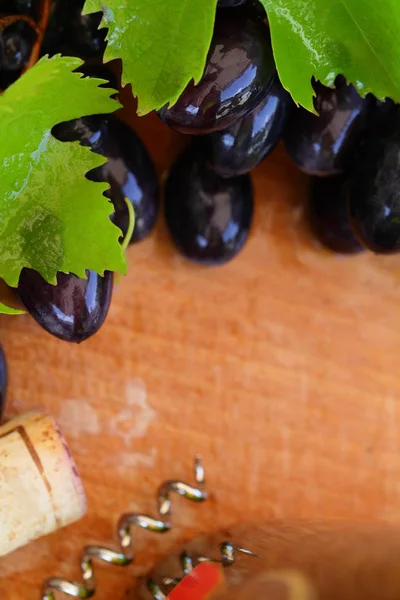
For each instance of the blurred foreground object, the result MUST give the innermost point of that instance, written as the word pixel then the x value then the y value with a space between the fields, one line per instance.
pixel 296 561
pixel 207 582
pixel 40 489
pixel 203 582
pixel 273 585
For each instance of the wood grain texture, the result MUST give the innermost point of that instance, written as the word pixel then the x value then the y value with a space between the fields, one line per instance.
pixel 281 368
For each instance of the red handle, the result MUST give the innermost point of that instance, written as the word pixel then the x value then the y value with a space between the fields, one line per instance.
pixel 205 579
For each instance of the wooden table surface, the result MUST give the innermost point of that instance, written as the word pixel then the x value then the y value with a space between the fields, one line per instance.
pixel 280 368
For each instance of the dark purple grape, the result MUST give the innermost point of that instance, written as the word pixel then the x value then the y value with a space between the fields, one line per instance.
pixel 328 214
pixel 374 196
pixel 74 309
pixel 242 146
pixel 230 3
pixel 15 46
pixel 71 33
pixel 16 42
pixel 238 75
pixel 129 170
pixel 208 217
pixel 325 144
pixel 3 381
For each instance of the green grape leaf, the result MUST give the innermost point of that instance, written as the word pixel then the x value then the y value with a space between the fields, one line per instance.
pixel 324 38
pixel 51 217
pixel 7 310
pixel 163 44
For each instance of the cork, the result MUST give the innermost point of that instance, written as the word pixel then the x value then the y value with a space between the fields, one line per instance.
pixel 40 489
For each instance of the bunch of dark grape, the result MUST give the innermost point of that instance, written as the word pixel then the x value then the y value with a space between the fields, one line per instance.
pixel 233 119
pixel 350 147
pixel 76 308
pixel 236 116
pixel 351 150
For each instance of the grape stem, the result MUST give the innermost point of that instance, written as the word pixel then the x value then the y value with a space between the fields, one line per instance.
pixel 131 225
pixel 7 20
pixel 44 12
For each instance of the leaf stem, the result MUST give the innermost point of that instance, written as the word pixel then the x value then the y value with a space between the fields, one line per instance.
pixel 131 225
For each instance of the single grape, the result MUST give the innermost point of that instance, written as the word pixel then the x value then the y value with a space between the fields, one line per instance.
pixel 238 75
pixel 325 144
pixel 74 309
pixel 16 42
pixel 129 170
pixel 208 217
pixel 230 3
pixel 242 146
pixel 71 33
pixel 328 215
pixel 3 381
pixel 374 195
pixel 15 46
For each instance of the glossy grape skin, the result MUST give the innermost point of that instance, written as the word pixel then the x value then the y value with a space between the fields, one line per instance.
pixel 242 146
pixel 74 309
pixel 374 193
pixel 16 42
pixel 328 215
pixel 72 34
pixel 208 217
pixel 3 381
pixel 15 47
pixel 129 170
pixel 238 74
pixel 14 51
pixel 324 145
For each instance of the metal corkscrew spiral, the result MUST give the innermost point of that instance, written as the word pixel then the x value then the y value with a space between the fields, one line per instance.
pixel 227 557
pixel 125 555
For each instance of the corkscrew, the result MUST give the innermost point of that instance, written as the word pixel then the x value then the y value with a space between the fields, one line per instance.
pixel 188 562
pixel 125 555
